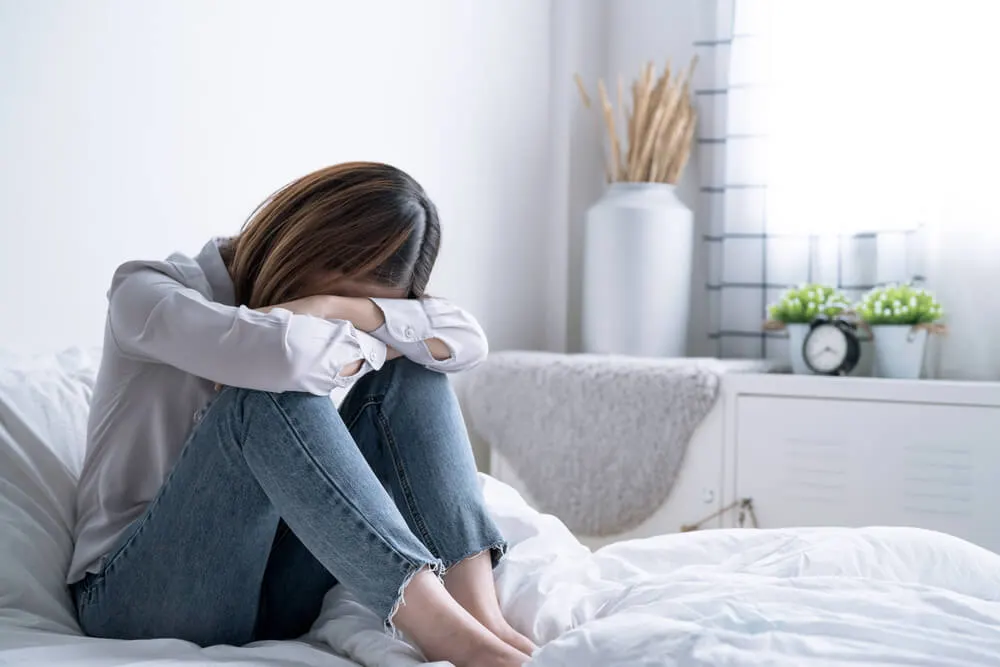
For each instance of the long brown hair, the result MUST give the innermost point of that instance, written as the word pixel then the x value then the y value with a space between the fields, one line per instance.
pixel 356 220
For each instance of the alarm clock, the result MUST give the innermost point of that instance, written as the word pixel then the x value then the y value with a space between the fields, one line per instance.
pixel 831 347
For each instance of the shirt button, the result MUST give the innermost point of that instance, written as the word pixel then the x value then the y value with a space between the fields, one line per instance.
pixel 410 334
pixel 372 356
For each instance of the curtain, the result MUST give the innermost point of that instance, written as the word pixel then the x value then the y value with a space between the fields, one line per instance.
pixel 830 151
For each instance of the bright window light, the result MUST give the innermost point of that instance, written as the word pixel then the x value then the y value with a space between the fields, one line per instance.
pixel 881 112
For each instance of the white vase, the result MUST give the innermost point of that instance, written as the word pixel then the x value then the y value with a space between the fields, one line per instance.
pixel 797 336
pixel 899 351
pixel 637 272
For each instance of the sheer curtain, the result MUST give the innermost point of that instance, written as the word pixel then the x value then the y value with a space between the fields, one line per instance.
pixel 852 142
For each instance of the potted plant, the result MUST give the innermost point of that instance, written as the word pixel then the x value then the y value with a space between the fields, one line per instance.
pixel 795 311
pixel 900 317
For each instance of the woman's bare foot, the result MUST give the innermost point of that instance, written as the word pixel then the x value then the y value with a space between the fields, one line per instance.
pixel 470 582
pixel 443 630
pixel 508 656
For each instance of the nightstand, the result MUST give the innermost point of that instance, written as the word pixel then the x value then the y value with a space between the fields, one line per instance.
pixel 821 451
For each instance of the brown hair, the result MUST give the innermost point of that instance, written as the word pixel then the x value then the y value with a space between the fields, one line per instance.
pixel 356 220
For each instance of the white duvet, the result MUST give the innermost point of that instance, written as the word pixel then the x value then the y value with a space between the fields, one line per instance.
pixel 876 596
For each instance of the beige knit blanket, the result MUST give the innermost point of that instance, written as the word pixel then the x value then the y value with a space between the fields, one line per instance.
pixel 597 440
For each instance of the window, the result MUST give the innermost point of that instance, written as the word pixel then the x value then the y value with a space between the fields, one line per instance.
pixel 882 114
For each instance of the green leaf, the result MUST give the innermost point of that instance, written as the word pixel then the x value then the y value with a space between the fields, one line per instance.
pixel 899 304
pixel 801 305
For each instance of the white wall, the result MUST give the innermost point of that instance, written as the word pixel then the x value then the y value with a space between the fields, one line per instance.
pixel 133 129
pixel 605 38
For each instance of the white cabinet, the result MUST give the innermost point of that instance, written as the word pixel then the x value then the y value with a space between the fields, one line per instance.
pixel 861 452
pixel 820 451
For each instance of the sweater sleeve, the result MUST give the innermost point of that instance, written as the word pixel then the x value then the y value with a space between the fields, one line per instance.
pixel 153 316
pixel 409 323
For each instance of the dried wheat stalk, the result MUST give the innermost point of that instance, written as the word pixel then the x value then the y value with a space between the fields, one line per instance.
pixel 582 89
pixel 659 126
pixel 609 119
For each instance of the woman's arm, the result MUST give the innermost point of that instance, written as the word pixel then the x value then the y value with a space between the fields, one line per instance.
pixel 367 316
pixel 362 313
pixel 432 332
pixel 153 316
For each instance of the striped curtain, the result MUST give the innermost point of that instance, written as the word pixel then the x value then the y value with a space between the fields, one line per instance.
pixel 752 258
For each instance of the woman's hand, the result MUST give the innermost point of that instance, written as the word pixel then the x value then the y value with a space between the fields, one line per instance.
pixel 361 312
pixel 352 368
pixel 319 305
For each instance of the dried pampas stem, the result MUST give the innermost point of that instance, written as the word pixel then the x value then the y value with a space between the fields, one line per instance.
pixel 680 158
pixel 609 119
pixel 659 125
pixel 583 90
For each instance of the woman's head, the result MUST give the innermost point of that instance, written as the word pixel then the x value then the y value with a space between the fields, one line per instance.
pixel 356 223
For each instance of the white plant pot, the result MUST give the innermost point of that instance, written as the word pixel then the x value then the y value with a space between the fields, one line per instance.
pixel 637 272
pixel 899 351
pixel 797 336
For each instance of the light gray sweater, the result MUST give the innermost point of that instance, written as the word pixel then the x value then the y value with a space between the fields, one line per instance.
pixel 173 333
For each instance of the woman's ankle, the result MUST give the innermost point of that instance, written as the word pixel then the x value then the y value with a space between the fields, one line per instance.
pixel 470 582
pixel 499 656
pixel 441 628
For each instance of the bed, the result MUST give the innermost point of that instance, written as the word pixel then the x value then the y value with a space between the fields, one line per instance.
pixel 889 596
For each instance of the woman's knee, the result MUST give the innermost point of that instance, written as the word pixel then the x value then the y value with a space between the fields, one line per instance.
pixel 251 399
pixel 254 409
pixel 402 372
pixel 412 372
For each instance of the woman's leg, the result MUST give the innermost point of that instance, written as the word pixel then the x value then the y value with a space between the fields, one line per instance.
pixel 291 595
pixel 296 583
pixel 408 425
pixel 193 565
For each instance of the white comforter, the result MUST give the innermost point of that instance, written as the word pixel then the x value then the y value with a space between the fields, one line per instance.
pixel 788 597
pixel 783 597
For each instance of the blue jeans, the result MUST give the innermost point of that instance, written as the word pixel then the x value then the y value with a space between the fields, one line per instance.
pixel 276 498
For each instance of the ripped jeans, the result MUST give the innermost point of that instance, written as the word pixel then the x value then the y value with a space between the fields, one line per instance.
pixel 276 498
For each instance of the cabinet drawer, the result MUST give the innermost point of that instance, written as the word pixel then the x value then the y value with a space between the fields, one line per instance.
pixel 818 462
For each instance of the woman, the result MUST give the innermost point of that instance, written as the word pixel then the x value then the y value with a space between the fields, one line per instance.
pixel 223 494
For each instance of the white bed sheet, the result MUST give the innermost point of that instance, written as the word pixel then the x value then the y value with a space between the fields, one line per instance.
pixel 875 596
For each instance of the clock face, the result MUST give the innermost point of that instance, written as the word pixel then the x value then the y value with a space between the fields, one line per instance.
pixel 825 348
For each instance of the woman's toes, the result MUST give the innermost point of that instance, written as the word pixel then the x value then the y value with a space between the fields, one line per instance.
pixel 517 640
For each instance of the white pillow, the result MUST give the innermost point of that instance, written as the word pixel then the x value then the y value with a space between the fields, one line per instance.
pixel 44 403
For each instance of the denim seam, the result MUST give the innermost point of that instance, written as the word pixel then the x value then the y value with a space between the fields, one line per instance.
pixel 86 587
pixel 333 484
pixel 369 401
pixel 404 483
pixel 377 400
